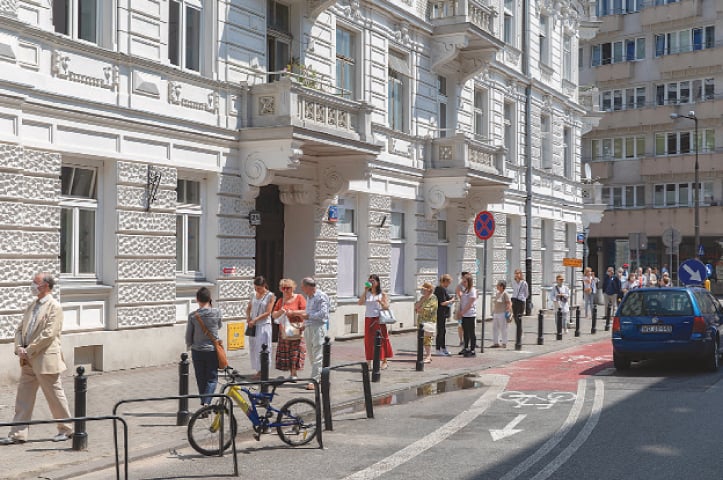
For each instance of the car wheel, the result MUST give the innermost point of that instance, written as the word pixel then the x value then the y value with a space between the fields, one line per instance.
pixel 620 361
pixel 712 360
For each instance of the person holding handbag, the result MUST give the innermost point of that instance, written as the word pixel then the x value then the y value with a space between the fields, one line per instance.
pixel 375 300
pixel 501 316
pixel 468 312
pixel 203 349
pixel 258 315
pixel 426 308
pixel 290 353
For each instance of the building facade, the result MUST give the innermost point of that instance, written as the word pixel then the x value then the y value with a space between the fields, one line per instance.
pixel 152 147
pixel 651 60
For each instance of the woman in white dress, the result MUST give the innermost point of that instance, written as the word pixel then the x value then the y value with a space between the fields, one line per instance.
pixel 258 317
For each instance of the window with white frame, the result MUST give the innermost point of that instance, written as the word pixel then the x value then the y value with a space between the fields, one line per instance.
pixel 480 113
pixel 618 148
pixel 627 99
pixel 681 194
pixel 567 152
pixel 398 72
pixel 627 50
pixel 188 228
pixel 544 39
pixel 682 142
pixel 510 133
pixel 397 236
pixel 624 196
pixel 442 247
pixel 78 209
pixel 618 7
pixel 685 91
pixel 682 41
pixel 87 20
pixel 442 105
pixel 346 63
pixel 509 30
pixel 545 141
pixel 567 58
pixel 347 247
pixel 278 38
pixel 184 34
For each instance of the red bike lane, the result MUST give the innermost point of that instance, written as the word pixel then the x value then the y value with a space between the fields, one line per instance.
pixel 557 371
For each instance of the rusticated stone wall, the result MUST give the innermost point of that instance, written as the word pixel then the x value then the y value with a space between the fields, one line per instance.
pixel 427 239
pixel 146 248
pixel 236 246
pixel 326 254
pixel 380 248
pixel 29 227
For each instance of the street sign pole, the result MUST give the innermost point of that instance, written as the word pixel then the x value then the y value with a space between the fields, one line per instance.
pixel 484 228
pixel 484 301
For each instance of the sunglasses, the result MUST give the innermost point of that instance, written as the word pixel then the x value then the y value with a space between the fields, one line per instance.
pixel 286 288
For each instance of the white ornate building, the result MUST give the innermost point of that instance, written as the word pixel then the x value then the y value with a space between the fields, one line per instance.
pixel 138 136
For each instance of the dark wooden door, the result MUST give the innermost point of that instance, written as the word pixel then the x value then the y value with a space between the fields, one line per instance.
pixel 270 239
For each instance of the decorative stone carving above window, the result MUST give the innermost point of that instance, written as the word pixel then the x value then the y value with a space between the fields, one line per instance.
pixel 267 105
pixel 9 8
pixel 175 98
pixel 60 67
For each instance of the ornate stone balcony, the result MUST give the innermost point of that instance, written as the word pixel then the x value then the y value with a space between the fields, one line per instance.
pixel 462 152
pixel 464 35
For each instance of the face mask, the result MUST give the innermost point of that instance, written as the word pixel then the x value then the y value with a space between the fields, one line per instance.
pixel 34 289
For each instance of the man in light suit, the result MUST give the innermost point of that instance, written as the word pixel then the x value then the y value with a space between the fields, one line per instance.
pixel 37 344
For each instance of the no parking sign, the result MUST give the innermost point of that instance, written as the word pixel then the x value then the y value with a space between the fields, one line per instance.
pixel 484 225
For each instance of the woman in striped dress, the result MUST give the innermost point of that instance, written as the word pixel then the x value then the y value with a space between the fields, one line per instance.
pixel 290 354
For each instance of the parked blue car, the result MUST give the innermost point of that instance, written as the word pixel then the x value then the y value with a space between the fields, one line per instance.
pixel 667 322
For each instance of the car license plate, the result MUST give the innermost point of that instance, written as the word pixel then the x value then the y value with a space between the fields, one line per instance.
pixel 656 328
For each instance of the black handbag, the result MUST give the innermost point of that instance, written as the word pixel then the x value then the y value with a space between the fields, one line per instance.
pixel 250 331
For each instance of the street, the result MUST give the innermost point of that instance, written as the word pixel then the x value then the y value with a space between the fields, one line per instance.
pixel 562 415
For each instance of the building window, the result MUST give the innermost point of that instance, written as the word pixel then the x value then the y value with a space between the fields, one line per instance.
pixel 510 136
pixel 77 18
pixel 480 114
pixel 618 148
pixel 278 38
pixel 345 63
pixel 188 228
pixel 398 72
pixel 347 253
pixel 442 247
pixel 681 194
pixel 78 207
pixel 545 142
pixel 686 91
pixel 397 235
pixel 508 25
pixel 567 58
pixel 184 34
pixel 675 143
pixel 442 105
pixel 544 40
pixel 567 152
pixel 684 41
pixel 615 52
pixel 625 196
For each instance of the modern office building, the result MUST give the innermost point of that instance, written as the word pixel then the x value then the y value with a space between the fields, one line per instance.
pixel 650 62
pixel 150 147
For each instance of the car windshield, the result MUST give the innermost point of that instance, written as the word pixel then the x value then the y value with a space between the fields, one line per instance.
pixel 661 303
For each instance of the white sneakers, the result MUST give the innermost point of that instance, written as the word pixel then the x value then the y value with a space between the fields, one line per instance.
pixel 61 437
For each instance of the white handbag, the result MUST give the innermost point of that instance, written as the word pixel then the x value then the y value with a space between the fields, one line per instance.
pixel 386 316
pixel 289 330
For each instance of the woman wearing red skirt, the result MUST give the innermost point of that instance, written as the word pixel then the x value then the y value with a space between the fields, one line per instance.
pixel 375 300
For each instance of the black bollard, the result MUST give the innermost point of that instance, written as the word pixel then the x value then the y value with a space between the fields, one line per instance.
pixel 518 333
pixel 482 338
pixel 607 317
pixel 577 321
pixel 80 437
pixel 264 357
pixel 376 361
pixel 540 328
pixel 558 323
pixel 326 353
pixel 183 414
pixel 367 390
pixel 593 329
pixel 326 397
pixel 420 348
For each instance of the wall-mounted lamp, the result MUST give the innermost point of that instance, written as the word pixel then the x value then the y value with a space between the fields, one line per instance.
pixel 152 183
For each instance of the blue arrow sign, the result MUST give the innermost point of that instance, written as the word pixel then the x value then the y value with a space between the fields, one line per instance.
pixel 701 252
pixel 692 272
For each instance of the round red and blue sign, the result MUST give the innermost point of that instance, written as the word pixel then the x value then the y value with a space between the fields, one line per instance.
pixel 484 225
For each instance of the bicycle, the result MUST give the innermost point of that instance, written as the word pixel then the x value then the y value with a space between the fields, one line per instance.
pixel 295 421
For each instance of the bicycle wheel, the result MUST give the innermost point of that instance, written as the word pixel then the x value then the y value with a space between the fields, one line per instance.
pixel 204 429
pixel 296 423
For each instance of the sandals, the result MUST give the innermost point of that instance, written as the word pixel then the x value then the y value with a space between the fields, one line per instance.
pixel 384 366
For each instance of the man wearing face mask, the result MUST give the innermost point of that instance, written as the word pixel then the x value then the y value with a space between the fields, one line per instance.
pixel 37 344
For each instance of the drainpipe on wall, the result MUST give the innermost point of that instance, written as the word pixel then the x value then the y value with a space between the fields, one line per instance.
pixel 528 151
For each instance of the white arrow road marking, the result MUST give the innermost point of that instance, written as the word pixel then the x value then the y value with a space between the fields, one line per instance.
pixel 509 429
pixel 445 431
pixel 694 274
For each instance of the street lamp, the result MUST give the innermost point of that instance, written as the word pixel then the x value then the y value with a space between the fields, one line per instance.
pixel 691 116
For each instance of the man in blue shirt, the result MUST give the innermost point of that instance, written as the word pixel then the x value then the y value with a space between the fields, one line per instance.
pixel 613 288
pixel 316 320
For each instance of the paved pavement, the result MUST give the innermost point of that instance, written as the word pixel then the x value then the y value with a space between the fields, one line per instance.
pixel 152 426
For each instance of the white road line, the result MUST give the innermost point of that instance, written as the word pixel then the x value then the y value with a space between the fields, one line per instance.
pixel 555 439
pixel 450 428
pixel 581 437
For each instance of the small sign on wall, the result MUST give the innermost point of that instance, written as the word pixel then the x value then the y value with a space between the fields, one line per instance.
pixel 333 215
pixel 235 335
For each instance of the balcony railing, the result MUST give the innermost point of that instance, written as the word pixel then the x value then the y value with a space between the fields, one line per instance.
pixel 479 13
pixel 460 151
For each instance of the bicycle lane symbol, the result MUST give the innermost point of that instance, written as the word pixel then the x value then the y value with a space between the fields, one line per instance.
pixel 522 399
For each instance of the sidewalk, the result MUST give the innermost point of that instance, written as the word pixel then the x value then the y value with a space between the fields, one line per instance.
pixel 152 426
